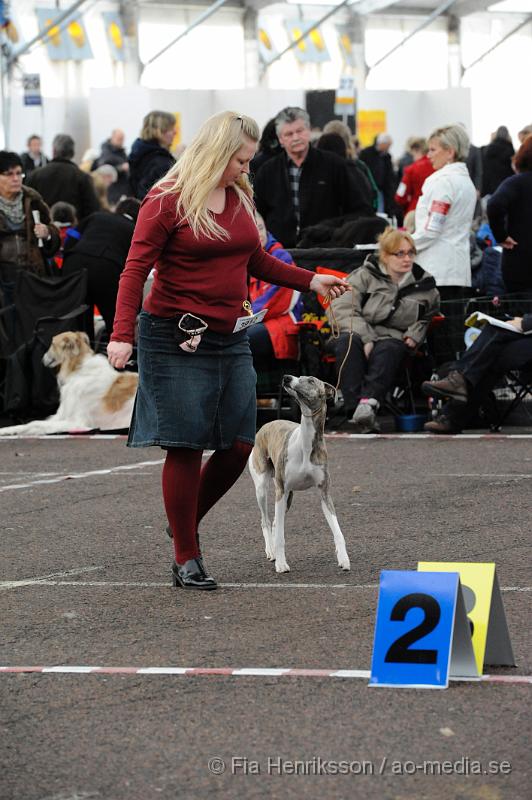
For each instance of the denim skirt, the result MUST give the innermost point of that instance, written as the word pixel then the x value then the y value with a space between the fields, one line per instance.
pixel 203 400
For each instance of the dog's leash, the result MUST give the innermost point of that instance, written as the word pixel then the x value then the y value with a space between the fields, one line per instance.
pixel 335 330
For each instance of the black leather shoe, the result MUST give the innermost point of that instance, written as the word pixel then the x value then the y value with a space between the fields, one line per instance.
pixel 192 575
pixel 171 536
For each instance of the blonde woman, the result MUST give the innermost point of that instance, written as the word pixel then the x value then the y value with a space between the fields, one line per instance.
pixel 196 378
pixel 387 318
pixel 150 156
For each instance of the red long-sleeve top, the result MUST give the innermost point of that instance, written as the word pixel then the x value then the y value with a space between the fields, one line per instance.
pixel 201 276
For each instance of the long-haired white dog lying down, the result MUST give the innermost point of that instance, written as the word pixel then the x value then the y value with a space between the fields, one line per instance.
pixel 92 393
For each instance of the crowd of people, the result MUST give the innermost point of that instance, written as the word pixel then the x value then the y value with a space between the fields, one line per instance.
pixel 310 188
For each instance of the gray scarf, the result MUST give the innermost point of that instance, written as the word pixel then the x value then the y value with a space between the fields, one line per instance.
pixel 13 209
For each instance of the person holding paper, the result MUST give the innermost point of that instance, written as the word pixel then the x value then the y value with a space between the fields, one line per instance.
pixel 196 392
pixel 27 237
pixel 491 355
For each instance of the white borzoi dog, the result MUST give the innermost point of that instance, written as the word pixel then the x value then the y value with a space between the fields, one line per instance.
pixel 294 457
pixel 92 394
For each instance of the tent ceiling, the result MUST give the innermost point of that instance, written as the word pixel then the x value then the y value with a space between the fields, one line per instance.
pixel 409 7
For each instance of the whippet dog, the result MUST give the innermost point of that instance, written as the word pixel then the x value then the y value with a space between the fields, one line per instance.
pixel 294 457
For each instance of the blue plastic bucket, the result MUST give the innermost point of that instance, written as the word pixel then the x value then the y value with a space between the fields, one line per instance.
pixel 410 423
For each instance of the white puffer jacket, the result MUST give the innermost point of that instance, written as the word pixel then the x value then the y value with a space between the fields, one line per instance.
pixel 443 223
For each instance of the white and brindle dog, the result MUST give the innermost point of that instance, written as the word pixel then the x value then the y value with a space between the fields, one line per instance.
pixel 92 394
pixel 294 457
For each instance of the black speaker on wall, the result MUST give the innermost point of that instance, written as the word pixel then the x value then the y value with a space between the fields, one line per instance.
pixel 320 106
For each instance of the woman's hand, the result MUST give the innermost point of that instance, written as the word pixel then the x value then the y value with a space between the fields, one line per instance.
pixel 368 347
pixel 41 231
pixel 410 343
pixel 119 353
pixel 329 285
pixel 517 322
pixel 509 243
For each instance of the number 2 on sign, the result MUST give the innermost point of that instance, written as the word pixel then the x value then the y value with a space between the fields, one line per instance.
pixel 399 652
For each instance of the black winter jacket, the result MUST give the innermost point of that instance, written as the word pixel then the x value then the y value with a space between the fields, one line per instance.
pixel 62 180
pixel 381 168
pixel 103 235
pixel 496 164
pixel 510 214
pixel 148 162
pixel 325 190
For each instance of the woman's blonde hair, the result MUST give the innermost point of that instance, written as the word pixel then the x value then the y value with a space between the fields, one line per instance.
pixel 390 241
pixel 339 127
pixel 453 137
pixel 199 171
pixel 155 124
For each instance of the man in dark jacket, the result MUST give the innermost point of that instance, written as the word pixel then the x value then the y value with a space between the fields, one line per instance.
pixel 302 186
pixel 33 158
pixel 379 161
pixel 113 153
pixel 62 180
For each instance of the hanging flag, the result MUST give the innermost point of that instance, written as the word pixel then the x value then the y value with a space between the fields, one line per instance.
pixel 114 32
pixel 310 49
pixel 345 44
pixel 67 41
pixel 267 49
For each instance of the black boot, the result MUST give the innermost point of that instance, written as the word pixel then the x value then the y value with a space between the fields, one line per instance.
pixel 192 575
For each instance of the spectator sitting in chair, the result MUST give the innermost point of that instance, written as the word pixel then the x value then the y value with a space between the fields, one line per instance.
pixel 492 354
pixel 380 322
pixel 276 337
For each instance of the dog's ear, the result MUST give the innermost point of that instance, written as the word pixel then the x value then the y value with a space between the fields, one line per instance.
pixel 84 337
pixel 330 391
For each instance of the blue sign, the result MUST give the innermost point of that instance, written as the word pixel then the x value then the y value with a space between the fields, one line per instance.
pixel 414 628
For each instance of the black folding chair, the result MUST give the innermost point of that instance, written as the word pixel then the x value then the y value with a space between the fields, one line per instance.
pixel 42 308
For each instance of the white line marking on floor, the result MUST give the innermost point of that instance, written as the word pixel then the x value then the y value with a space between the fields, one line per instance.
pixel 46 579
pixel 254 672
pixel 78 475
pixel 481 475
pixel 161 585
pixel 423 436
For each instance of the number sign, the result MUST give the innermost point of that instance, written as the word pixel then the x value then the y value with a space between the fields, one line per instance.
pixel 421 632
pixel 484 608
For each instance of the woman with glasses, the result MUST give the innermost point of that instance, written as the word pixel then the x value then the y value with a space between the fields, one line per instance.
pixel 385 318
pixel 196 227
pixel 24 242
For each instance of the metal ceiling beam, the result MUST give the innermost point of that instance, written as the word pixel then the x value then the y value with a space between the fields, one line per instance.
pixel 370 6
pixel 435 14
pixel 202 17
pixel 498 44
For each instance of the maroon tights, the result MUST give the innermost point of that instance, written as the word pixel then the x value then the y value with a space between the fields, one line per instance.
pixel 190 490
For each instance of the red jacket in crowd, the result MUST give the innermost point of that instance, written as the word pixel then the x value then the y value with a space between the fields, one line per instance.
pixel 414 176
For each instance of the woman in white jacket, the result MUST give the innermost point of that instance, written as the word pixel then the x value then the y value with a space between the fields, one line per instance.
pixel 444 214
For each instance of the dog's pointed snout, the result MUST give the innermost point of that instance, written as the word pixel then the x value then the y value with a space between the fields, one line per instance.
pixel 287 380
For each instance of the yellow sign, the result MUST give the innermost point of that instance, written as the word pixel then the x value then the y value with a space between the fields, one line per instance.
pixel 484 609
pixel 176 141
pixel 369 125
